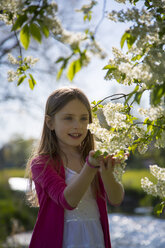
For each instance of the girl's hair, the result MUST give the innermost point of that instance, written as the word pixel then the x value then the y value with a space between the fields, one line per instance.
pixel 48 144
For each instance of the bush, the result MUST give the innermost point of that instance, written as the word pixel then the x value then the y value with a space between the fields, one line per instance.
pixel 15 215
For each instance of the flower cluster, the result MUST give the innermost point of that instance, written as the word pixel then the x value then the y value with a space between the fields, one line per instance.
pixel 157 189
pixel 144 61
pixel 12 75
pixel 13 60
pixel 9 10
pixel 30 60
pixel 116 133
pixel 23 65
pixel 156 115
pixel 153 113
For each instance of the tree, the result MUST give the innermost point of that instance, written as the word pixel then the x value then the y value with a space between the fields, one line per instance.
pixel 141 64
pixel 38 19
pixel 15 153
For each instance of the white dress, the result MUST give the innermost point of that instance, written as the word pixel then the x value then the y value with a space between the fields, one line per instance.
pixel 82 227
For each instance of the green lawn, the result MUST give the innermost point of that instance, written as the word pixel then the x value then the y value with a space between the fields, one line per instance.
pixel 132 178
pixel 7 173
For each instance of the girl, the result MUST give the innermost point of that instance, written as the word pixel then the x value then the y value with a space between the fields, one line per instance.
pixel 71 184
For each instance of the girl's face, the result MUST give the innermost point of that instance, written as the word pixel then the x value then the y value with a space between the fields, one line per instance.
pixel 70 124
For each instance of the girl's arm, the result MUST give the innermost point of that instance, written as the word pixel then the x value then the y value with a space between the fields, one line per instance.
pixel 114 189
pixel 75 191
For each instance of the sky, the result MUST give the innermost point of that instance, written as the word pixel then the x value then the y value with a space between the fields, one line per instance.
pixel 17 120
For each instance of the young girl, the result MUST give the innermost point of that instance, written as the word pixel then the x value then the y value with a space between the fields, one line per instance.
pixel 71 184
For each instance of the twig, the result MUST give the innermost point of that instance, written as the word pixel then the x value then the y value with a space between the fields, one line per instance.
pixel 121 95
pixel 20 49
pixel 149 124
pixel 102 17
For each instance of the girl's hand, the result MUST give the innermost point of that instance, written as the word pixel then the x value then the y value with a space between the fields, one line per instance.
pixel 99 161
pixel 109 163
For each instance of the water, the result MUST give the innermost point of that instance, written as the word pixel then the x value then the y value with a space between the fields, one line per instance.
pixel 136 231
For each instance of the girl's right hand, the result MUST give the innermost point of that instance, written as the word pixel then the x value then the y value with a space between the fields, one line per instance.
pixel 99 161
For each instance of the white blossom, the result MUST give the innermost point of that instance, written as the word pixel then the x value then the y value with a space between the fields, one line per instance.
pixel 153 113
pixel 160 143
pixel 142 148
pixel 72 38
pixel 12 76
pixel 151 67
pixel 30 60
pixel 12 59
pixel 157 189
pixel 9 7
pixel 113 115
pixel 114 133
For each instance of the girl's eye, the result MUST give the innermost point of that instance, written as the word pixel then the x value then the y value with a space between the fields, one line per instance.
pixel 84 119
pixel 68 118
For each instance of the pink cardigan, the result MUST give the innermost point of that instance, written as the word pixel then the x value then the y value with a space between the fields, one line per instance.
pixel 50 185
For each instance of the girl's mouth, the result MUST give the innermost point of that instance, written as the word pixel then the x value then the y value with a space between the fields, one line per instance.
pixel 75 135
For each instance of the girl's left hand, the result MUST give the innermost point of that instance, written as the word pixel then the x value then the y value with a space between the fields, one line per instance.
pixel 109 164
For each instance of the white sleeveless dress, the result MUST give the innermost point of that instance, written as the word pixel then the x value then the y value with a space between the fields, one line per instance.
pixel 82 227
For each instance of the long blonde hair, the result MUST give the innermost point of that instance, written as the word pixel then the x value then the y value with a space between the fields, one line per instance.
pixel 48 144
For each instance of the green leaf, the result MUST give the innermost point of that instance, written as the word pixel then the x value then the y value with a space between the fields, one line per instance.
pixel 105 154
pixel 97 154
pixel 19 22
pixel 59 73
pixel 137 57
pixel 31 84
pixel 33 81
pixel 21 79
pixel 45 30
pixel 35 32
pixel 25 36
pixel 89 15
pixel 60 59
pixel 133 148
pixel 74 67
pixel 159 208
pixel 94 102
pixel 131 94
pixel 85 17
pixel 129 38
pixel 94 109
pixel 32 8
pixel 146 121
pixel 123 39
pixel 157 93
pixel 138 96
pixel 112 67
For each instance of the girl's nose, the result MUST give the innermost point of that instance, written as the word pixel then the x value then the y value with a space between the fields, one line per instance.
pixel 77 124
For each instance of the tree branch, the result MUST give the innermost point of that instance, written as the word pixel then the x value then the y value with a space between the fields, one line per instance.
pixel 20 49
pixel 102 17
pixel 121 95
pixel 148 125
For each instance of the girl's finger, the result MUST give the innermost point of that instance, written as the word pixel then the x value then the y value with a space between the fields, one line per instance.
pixel 91 153
pixel 110 160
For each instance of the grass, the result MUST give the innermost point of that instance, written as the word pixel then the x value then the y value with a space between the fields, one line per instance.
pixel 7 173
pixel 132 178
